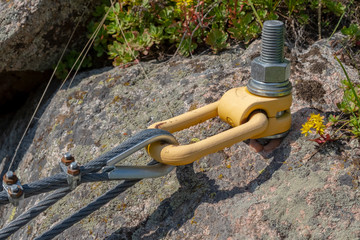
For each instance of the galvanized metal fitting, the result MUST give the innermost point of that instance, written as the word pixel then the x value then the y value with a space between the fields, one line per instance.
pixel 13 188
pixel 73 174
pixel 69 166
pixel 270 72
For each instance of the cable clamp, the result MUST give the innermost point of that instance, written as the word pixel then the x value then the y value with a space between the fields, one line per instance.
pixel 69 166
pixel 13 188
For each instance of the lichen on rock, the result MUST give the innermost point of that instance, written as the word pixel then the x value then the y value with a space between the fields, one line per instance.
pixel 293 192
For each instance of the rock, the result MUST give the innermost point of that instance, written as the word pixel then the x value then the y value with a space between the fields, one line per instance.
pixel 33 35
pixel 294 192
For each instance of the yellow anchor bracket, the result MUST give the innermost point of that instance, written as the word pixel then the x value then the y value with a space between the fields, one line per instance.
pixel 251 117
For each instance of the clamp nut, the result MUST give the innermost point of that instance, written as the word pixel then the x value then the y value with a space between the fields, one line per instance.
pixel 67 159
pixel 15 191
pixel 13 188
pixel 73 169
pixel 10 178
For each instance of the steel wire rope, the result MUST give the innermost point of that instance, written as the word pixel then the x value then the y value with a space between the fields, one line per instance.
pixel 60 180
pixel 87 45
pixel 87 210
pixel 49 200
pixel 34 211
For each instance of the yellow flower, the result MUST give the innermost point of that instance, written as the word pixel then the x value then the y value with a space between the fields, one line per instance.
pixel 183 2
pixel 306 128
pixel 315 122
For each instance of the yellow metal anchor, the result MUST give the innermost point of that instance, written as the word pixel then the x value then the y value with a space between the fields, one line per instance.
pixel 250 116
pixel 261 109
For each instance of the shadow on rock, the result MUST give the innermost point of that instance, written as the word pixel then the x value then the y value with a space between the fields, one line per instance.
pixel 197 188
pixel 14 125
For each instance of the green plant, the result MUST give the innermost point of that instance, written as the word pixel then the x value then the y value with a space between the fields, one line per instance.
pixel 68 63
pixel 353 33
pixel 217 39
pixel 347 123
pixel 350 105
pixel 139 28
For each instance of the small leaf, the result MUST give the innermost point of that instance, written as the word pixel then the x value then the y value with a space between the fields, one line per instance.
pixel 217 40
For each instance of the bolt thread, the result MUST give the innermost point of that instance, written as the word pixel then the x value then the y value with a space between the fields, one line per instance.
pixel 272 47
pixel 68 156
pixel 14 189
pixel 10 174
pixel 74 166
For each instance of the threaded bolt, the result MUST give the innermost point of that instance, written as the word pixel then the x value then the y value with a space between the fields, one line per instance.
pixel 271 71
pixel 272 47
pixel 73 169
pixel 14 189
pixel 67 159
pixel 10 174
pixel 10 178
pixel 73 166
pixel 68 156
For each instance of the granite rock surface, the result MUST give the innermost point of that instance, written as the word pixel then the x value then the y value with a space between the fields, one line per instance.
pixel 294 192
pixel 33 35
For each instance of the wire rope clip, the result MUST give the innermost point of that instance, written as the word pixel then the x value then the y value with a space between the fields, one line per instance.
pixel 13 188
pixel 69 166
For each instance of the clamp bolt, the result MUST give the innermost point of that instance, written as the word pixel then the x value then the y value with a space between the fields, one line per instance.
pixel 13 188
pixel 10 178
pixel 67 159
pixel 72 170
pixel 73 173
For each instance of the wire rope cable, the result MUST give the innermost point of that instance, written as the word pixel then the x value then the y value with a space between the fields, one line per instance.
pixel 60 180
pixel 86 211
pixel 33 212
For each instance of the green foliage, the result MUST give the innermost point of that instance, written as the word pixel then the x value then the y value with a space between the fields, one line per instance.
pixel 139 28
pixel 350 106
pixel 217 39
pixel 333 7
pixel 353 32
pixel 68 62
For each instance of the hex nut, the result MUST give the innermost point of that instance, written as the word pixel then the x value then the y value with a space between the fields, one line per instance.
pixel 73 172
pixel 11 180
pixel 15 191
pixel 73 169
pixel 270 72
pixel 67 160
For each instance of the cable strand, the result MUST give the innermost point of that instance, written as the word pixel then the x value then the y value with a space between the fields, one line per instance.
pixel 27 216
pixel 86 211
